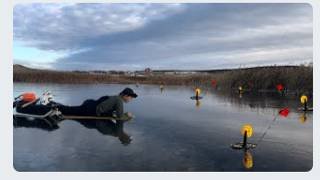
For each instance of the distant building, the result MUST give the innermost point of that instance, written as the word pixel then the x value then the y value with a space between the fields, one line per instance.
pixel 169 73
pixel 97 72
pixel 129 73
pixel 147 71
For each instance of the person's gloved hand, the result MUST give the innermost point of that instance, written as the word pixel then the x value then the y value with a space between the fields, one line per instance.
pixel 129 114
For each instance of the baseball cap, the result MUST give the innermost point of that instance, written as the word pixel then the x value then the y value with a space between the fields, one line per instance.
pixel 129 92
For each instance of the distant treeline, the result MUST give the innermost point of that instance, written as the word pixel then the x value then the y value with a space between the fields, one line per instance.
pixel 295 79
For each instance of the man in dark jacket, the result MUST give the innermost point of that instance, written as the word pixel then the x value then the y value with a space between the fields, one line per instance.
pixel 110 106
pixel 113 106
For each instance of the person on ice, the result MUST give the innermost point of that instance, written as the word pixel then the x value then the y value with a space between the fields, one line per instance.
pixel 110 106
pixel 106 106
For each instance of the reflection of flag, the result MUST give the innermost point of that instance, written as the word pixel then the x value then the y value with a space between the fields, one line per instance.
pixel 280 87
pixel 284 112
pixel 247 160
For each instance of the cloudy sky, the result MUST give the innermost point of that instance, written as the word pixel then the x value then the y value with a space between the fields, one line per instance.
pixel 161 36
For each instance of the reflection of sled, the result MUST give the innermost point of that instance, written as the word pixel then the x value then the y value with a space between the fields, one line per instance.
pixel 196 98
pixel 49 114
pixel 51 118
pixel 308 109
pixel 55 114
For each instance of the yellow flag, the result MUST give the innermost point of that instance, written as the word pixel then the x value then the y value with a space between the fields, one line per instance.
pixel 198 91
pixel 303 99
pixel 248 128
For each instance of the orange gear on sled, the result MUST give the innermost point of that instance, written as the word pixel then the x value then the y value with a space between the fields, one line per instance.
pixel 28 97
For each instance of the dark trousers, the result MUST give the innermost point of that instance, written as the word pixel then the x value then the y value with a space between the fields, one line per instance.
pixel 87 108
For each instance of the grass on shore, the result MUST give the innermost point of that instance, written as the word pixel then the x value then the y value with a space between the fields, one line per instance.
pixel 297 79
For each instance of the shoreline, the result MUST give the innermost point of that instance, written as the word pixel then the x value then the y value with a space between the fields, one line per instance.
pixel 296 79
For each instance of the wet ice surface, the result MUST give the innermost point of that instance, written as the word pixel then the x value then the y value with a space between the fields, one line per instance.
pixel 171 132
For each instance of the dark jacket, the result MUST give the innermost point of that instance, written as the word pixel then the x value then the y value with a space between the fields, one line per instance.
pixel 110 105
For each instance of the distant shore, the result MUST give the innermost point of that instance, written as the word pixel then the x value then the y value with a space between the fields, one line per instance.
pixel 297 79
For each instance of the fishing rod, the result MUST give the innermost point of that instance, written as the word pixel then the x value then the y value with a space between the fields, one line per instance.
pixel 284 112
pixel 267 129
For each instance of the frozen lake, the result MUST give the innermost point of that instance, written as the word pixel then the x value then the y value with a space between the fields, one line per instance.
pixel 170 132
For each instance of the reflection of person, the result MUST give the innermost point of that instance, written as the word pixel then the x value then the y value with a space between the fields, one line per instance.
pixel 104 127
pixel 108 128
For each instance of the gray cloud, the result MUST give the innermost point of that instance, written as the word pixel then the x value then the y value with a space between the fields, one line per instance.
pixel 65 26
pixel 166 36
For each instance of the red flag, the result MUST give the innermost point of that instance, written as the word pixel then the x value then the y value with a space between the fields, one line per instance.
pixel 214 83
pixel 280 87
pixel 284 112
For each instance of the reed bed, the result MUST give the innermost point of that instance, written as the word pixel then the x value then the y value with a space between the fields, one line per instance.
pixel 295 79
